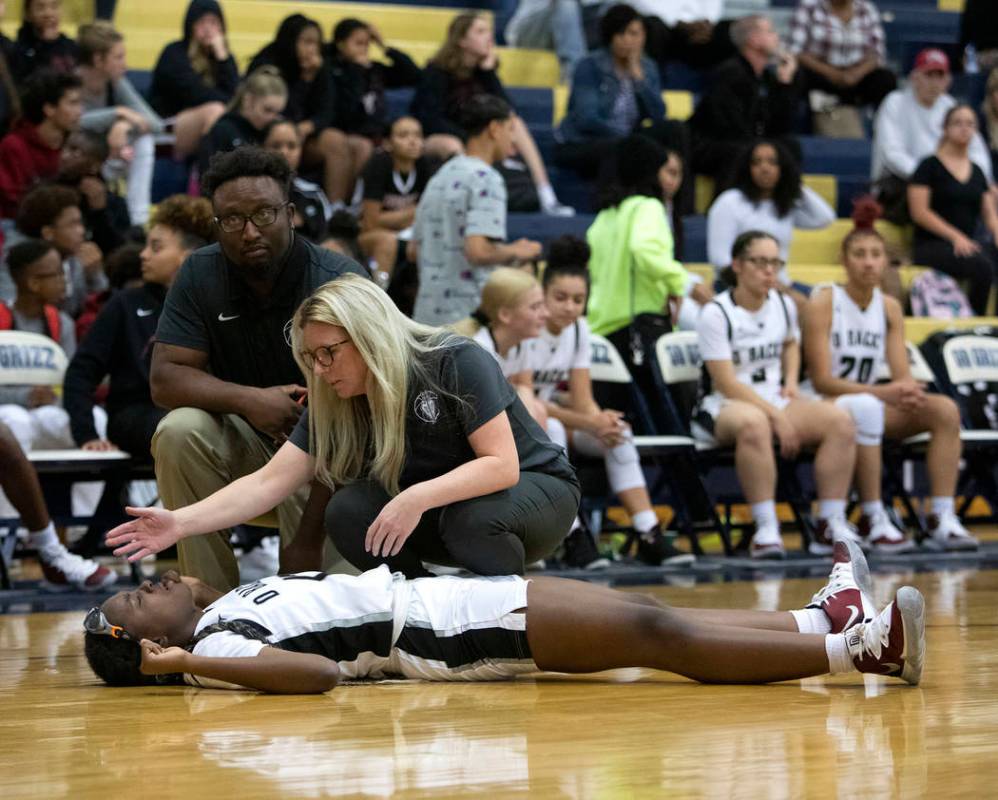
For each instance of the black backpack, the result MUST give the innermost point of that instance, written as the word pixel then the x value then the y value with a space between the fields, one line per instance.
pixel 967 371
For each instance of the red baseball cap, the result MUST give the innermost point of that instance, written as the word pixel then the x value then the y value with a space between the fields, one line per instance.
pixel 932 59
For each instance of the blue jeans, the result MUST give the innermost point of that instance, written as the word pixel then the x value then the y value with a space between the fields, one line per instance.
pixel 556 27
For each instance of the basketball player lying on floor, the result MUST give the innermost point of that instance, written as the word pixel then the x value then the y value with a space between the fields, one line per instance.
pixel 305 632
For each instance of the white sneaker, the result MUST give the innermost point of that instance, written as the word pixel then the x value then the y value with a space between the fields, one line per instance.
pixel 846 598
pixel 946 532
pixel 767 545
pixel 828 531
pixel 64 571
pixel 557 209
pixel 882 536
pixel 262 561
pixel 893 643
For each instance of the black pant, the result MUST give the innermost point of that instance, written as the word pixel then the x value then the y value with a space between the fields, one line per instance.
pixel 496 534
pixel 673 44
pixel 977 270
pixel 132 428
pixel 870 91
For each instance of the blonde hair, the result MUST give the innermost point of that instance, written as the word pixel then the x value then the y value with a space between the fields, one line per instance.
pixel 96 39
pixel 265 81
pixel 505 288
pixel 345 432
pixel 989 109
pixel 450 56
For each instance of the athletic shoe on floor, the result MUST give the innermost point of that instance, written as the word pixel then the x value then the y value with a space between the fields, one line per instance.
pixel 846 598
pixel 882 536
pixel 262 561
pixel 893 643
pixel 767 545
pixel 64 571
pixel 828 531
pixel 946 532
pixel 581 552
pixel 656 549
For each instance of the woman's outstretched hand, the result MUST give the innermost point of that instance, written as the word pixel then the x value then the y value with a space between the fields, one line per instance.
pixel 154 529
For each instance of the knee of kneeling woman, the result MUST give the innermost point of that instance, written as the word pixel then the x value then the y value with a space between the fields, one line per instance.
pixel 350 512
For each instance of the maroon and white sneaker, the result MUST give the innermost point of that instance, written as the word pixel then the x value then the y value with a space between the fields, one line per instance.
pixel 831 530
pixel 946 532
pixel 882 536
pixel 767 545
pixel 846 598
pixel 64 571
pixel 893 643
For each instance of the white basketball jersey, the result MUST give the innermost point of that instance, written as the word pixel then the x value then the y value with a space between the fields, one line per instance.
pixel 752 340
pixel 515 360
pixel 858 337
pixel 551 358
pixel 353 620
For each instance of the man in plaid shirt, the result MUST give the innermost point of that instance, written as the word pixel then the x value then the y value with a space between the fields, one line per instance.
pixel 840 46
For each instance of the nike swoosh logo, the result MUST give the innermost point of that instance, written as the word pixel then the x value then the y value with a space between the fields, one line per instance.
pixel 223 318
pixel 853 614
pixel 888 667
pixel 145 312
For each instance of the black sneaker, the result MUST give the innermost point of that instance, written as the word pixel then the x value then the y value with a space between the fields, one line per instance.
pixel 580 551
pixel 655 549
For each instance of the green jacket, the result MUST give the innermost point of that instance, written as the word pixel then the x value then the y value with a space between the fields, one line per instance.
pixel 633 236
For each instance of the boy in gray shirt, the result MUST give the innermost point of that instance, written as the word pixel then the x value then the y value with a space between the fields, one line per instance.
pixel 461 219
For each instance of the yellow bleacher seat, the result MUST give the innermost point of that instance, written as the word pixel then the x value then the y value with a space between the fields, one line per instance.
pixel 678 104
pixel 950 5
pixel 825 185
pixel 813 274
pixel 705 271
pixel 822 247
pixel 918 329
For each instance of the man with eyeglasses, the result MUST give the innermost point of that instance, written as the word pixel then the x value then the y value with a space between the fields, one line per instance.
pixel 221 360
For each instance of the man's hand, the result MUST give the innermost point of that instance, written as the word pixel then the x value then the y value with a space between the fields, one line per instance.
pixel 786 67
pixel 275 410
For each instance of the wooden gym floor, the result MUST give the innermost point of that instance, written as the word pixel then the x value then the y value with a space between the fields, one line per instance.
pixel 625 734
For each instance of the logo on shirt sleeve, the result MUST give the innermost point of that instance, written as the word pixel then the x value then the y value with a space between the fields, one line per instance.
pixel 427 407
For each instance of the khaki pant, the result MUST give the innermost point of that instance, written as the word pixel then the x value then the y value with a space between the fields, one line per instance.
pixel 196 454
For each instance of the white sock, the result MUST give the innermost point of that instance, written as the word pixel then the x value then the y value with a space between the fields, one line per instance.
pixel 811 620
pixel 873 508
pixel 764 514
pixel 839 660
pixel 644 521
pixel 942 505
pixel 546 195
pixel 829 509
pixel 43 538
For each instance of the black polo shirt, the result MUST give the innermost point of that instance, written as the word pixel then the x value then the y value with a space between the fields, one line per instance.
pixel 466 390
pixel 212 309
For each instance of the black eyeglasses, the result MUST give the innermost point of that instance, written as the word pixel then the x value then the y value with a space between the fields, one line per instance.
pixel 324 355
pixel 232 223
pixel 96 622
pixel 762 261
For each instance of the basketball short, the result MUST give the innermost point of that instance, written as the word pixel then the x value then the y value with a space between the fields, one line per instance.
pixel 463 629
pixel 705 415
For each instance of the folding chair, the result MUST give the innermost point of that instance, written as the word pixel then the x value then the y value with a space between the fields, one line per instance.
pixel 36 360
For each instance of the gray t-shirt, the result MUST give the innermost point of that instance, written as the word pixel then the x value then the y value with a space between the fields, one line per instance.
pixel 466 197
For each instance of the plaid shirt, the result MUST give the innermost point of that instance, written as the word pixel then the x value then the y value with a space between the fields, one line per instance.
pixel 815 30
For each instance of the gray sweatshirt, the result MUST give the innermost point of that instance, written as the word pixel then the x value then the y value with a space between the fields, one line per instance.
pixel 99 115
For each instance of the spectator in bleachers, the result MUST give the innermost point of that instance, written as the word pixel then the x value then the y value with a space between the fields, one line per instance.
pixel 394 180
pixel 464 68
pixel 297 52
pixel 51 109
pixel 907 129
pixel 979 29
pixel 989 115
pixel 750 344
pixel 768 195
pixel 560 357
pixel 690 31
pixel 615 92
pixel 752 95
pixel 105 214
pixel 123 268
pixel 195 77
pixel 840 45
pixel 221 361
pixel 550 25
pixel 949 201
pixel 851 334
pixel 40 44
pixel 460 227
pixel 10 101
pixel 111 105
pixel 361 82
pixel 61 570
pixel 52 213
pixel 119 344
pixel 259 100
pixel 312 208
pixel 633 266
